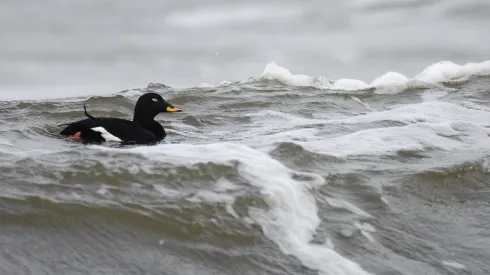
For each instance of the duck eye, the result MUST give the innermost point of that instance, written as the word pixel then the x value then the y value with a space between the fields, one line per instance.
pixel 155 99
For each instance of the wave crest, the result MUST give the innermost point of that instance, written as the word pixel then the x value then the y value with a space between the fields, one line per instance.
pixel 388 83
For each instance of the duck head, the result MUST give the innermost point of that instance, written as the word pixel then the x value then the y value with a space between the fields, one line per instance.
pixel 150 105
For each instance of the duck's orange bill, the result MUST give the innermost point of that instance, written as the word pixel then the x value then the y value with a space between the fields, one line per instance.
pixel 172 109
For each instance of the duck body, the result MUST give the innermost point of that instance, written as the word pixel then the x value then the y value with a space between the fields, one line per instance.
pixel 102 129
pixel 142 130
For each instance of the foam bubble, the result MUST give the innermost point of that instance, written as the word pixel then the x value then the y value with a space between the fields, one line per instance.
pixel 102 190
pixel 274 72
pixel 390 83
pixel 447 71
pixel 349 85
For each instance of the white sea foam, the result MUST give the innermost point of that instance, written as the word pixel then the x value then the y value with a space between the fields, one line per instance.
pixel 275 72
pixel 4 142
pixel 454 265
pixel 273 117
pixel 184 127
pixel 428 111
pixel 167 192
pixel 430 124
pixel 447 71
pixel 291 219
pixel 214 197
pixel 338 203
pixel 413 137
pixel 356 99
pixel 366 229
pixel 388 83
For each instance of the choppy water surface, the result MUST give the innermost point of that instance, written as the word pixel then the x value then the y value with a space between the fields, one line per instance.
pixel 378 170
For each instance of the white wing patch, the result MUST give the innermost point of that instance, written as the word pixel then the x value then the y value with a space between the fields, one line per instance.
pixel 106 135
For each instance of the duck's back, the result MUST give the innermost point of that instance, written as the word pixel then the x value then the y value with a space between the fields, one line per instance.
pixel 108 129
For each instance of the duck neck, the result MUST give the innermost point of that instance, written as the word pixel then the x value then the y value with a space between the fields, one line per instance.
pixel 157 130
pixel 151 125
pixel 143 119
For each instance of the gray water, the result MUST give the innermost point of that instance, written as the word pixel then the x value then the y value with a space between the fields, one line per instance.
pixel 327 137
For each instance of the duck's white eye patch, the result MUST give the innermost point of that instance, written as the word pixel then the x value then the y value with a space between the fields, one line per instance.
pixel 155 99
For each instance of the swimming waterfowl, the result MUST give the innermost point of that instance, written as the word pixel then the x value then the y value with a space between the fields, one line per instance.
pixel 143 128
